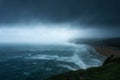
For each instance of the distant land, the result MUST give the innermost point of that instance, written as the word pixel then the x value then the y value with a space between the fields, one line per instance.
pixel 109 42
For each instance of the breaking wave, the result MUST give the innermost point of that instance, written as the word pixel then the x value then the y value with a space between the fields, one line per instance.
pixel 83 57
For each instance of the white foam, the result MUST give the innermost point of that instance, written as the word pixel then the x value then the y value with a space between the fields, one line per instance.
pixel 79 56
pixel 68 67
pixel 72 59
pixel 45 57
pixel 78 61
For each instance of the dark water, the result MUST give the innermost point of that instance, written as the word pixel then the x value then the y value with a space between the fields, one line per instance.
pixel 33 62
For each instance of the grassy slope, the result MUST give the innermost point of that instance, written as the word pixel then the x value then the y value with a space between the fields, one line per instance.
pixel 110 71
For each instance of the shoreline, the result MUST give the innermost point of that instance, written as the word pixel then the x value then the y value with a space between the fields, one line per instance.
pixel 110 65
pixel 108 51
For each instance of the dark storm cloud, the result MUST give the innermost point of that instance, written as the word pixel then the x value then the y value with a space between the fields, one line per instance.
pixel 88 12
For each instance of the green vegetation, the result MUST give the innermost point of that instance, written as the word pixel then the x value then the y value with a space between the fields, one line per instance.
pixel 110 71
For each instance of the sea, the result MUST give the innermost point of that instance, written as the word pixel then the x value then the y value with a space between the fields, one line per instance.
pixel 39 62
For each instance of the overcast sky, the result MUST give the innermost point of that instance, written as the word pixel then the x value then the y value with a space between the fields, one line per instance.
pixel 103 15
pixel 94 12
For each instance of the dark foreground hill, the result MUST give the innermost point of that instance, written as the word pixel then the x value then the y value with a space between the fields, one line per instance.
pixel 110 71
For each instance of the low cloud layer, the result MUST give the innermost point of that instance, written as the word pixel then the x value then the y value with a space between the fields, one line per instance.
pixel 101 17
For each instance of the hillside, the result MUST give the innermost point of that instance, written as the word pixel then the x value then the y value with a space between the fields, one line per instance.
pixel 110 71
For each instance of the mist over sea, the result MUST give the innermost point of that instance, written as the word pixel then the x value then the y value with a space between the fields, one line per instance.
pixel 24 62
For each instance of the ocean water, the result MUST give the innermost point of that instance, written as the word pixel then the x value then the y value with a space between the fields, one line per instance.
pixel 39 62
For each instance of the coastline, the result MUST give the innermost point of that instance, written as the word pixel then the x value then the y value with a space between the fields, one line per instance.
pixel 110 68
pixel 108 51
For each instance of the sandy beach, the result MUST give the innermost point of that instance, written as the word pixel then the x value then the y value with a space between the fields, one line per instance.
pixel 108 51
